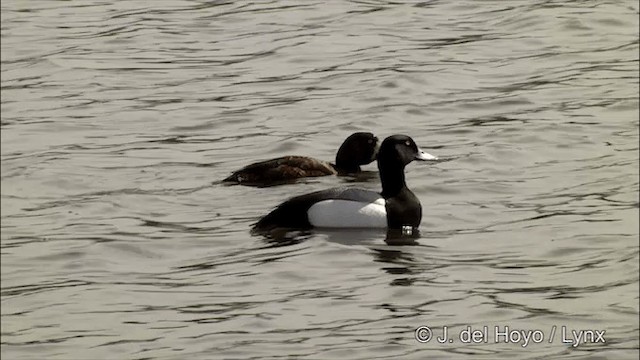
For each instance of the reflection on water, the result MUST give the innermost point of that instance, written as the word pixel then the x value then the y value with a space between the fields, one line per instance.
pixel 119 119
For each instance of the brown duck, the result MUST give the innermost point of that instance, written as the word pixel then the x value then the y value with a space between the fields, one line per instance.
pixel 358 149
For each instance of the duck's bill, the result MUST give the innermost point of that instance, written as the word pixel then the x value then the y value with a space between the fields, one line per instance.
pixel 424 156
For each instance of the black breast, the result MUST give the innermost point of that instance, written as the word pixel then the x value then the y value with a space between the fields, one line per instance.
pixel 403 209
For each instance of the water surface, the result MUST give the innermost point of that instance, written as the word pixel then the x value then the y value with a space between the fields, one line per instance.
pixel 119 118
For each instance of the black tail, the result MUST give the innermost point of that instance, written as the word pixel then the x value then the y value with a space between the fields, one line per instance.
pixel 292 214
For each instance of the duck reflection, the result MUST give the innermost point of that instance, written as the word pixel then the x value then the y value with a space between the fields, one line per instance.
pixel 393 259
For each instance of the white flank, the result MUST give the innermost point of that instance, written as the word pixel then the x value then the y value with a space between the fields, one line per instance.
pixel 348 214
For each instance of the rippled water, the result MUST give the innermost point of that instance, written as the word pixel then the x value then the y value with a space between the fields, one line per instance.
pixel 120 117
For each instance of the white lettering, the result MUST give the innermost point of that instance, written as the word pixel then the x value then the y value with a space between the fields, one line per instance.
pixel 505 334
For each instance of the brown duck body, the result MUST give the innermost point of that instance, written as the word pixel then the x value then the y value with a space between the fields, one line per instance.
pixel 359 148
pixel 282 169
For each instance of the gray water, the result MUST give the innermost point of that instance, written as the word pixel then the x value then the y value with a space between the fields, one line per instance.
pixel 119 118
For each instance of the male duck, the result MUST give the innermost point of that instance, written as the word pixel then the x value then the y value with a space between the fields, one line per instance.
pixel 396 207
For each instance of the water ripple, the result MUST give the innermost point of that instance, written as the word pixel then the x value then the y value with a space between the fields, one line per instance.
pixel 119 119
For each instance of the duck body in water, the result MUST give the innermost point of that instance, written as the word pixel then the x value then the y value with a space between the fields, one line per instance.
pixel 358 149
pixel 396 207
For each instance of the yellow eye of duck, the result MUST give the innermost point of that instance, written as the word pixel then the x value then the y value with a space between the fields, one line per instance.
pixel 408 143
